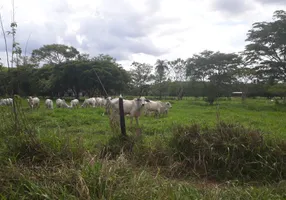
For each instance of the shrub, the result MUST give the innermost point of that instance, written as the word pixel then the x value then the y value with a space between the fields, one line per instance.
pixel 228 151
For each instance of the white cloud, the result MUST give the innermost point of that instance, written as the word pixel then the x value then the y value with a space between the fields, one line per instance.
pixel 142 31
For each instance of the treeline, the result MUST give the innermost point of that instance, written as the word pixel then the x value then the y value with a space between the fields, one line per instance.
pixel 73 76
pixel 56 69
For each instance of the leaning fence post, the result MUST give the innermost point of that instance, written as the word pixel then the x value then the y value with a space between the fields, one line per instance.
pixel 121 114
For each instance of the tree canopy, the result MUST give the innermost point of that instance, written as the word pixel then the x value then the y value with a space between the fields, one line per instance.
pixel 56 69
pixel 54 54
pixel 267 48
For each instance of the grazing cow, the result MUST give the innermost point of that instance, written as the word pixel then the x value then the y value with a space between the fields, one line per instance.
pixel 165 107
pixel 74 103
pixel 49 104
pixel 158 107
pixel 103 101
pixel 89 102
pixel 2 102
pixel 61 103
pixel 108 103
pixel 6 102
pixel 154 106
pixel 131 107
pixel 100 101
pixel 34 102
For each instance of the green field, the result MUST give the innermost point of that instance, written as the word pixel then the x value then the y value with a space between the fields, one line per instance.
pixel 57 165
pixel 255 113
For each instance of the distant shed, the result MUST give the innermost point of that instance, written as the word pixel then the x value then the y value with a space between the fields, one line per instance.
pixel 236 94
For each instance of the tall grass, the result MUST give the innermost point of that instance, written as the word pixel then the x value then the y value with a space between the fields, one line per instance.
pixel 229 151
pixel 38 164
pixel 224 152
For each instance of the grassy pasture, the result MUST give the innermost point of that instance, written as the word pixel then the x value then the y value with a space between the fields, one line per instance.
pixel 255 113
pixel 67 172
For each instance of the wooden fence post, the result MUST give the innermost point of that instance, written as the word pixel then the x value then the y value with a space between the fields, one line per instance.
pixel 122 119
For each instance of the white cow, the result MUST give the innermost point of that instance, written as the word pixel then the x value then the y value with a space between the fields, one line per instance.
pixel 61 103
pixel 34 102
pixel 2 102
pixel 154 106
pixel 158 107
pixel 49 104
pixel 132 107
pixel 108 103
pixel 74 103
pixel 100 101
pixel 165 107
pixel 6 102
pixel 9 101
pixel 89 102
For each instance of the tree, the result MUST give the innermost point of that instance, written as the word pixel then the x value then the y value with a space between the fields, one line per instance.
pixel 4 80
pixel 141 74
pixel 161 67
pixel 198 65
pixel 278 90
pixel 104 58
pixel 5 41
pixel 244 76
pixel 267 48
pixel 43 81
pixel 179 69
pixel 215 67
pixel 95 77
pixel 55 54
pixel 83 57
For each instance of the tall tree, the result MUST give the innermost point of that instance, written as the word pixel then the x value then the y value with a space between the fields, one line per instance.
pixel 244 76
pixel 95 77
pixel 278 90
pixel 266 48
pixel 141 74
pixel 215 67
pixel 198 65
pixel 55 54
pixel 178 67
pixel 5 41
pixel 161 67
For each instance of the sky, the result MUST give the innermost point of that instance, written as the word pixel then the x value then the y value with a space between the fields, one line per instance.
pixel 136 30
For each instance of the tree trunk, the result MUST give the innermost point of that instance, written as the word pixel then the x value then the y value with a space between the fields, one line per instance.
pixel 77 93
pixel 160 89
pixel 140 91
pixel 243 95
pixel 180 94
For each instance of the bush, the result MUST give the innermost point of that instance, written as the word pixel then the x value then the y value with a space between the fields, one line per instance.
pixel 223 152
pixel 228 151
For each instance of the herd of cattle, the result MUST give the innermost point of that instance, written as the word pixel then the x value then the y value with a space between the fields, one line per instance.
pixel 133 108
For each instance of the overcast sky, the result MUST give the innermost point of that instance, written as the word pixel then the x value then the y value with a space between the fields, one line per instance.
pixel 137 30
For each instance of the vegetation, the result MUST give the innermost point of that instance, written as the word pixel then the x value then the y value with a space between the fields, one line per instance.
pixel 57 69
pixel 65 153
pixel 210 146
